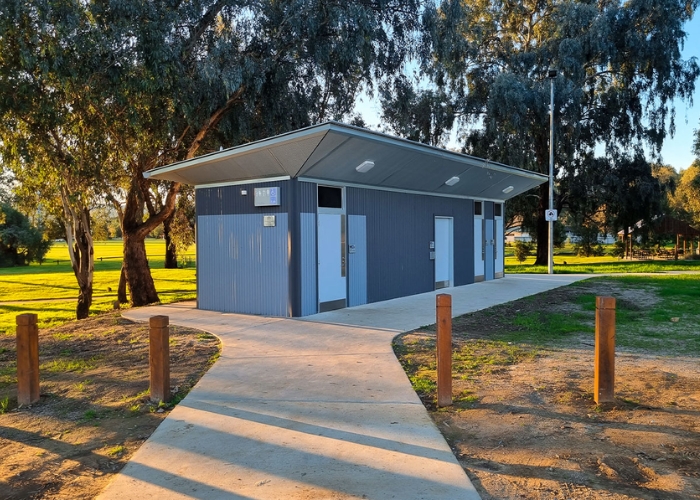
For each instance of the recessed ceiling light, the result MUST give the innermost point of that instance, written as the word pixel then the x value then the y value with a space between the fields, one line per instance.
pixel 452 181
pixel 365 166
pixel 508 190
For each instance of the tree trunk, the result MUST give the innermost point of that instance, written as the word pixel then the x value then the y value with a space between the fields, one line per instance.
pixel 80 249
pixel 121 291
pixel 170 248
pixel 82 311
pixel 134 232
pixel 542 255
pixel 138 274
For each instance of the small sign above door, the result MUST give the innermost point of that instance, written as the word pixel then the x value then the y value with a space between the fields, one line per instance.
pixel 267 197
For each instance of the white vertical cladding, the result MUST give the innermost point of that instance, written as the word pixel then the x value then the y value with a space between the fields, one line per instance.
pixel 500 240
pixel 357 260
pixel 309 302
pixel 479 269
pixel 243 266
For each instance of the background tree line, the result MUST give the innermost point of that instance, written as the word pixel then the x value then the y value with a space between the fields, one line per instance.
pixel 93 94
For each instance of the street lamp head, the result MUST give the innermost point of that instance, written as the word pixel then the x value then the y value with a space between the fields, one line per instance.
pixel 552 73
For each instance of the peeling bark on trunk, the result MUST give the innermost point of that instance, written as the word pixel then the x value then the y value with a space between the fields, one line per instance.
pixel 170 248
pixel 121 291
pixel 80 250
pixel 138 274
pixel 134 232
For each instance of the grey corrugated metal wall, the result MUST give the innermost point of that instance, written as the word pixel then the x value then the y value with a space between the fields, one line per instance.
pixel 229 200
pixel 400 227
pixel 243 265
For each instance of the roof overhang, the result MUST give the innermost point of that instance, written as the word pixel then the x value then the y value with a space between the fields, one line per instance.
pixel 333 152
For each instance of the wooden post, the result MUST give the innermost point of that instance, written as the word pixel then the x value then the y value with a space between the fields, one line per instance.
pixel 159 358
pixel 604 378
pixel 443 312
pixel 27 359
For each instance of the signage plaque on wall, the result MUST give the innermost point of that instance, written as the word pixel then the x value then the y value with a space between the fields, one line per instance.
pixel 267 197
pixel 269 221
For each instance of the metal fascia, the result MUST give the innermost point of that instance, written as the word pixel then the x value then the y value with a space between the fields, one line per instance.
pixel 325 182
pixel 247 181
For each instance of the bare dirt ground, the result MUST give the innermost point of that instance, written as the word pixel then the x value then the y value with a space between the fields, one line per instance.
pixel 524 424
pixel 94 411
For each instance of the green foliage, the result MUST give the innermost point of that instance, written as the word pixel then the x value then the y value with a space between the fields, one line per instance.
pixel 117 451
pixel 90 415
pixel 423 384
pixel 73 365
pixel 4 405
pixel 686 199
pixel 477 357
pixel 618 249
pixel 522 250
pixel 491 59
pixel 20 242
pixel 586 242
pixel 118 88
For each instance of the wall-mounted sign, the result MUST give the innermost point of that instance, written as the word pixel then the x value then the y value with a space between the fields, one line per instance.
pixel 267 197
pixel 269 221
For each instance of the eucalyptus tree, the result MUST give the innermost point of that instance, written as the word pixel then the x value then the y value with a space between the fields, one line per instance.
pixel 618 68
pixel 97 93
pixel 686 199
pixel 51 66
pixel 207 73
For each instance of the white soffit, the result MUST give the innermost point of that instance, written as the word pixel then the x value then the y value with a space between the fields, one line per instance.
pixel 332 151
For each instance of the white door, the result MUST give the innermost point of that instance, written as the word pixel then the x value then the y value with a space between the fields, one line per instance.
pixel 489 258
pixel 444 266
pixel 332 281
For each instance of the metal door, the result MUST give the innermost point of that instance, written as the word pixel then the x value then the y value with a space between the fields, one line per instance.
pixel 332 280
pixel 489 243
pixel 444 265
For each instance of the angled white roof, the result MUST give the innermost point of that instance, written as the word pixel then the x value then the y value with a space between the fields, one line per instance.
pixel 331 152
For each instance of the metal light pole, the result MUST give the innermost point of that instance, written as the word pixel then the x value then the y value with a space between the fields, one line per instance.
pixel 552 75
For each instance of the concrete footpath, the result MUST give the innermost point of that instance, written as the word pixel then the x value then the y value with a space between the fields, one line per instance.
pixel 309 409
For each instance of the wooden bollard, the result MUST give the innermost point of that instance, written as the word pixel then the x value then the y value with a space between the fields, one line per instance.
pixel 27 359
pixel 159 358
pixel 443 313
pixel 604 377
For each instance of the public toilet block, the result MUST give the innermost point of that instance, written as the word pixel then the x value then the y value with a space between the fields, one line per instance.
pixel 334 216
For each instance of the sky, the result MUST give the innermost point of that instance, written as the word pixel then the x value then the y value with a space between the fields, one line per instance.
pixel 677 151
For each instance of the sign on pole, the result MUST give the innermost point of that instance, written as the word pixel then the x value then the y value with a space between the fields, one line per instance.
pixel 550 215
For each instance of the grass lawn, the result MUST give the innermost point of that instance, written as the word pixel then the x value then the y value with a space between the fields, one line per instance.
pixel 566 262
pixel 50 289
pixel 654 313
